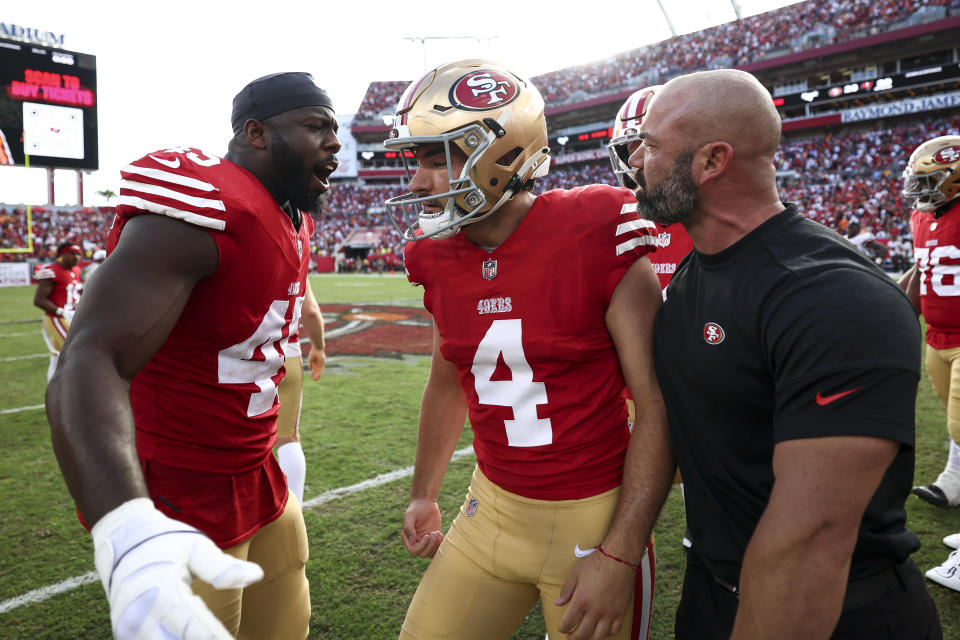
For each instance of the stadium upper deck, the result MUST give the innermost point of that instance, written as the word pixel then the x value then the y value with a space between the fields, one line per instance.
pixel 799 47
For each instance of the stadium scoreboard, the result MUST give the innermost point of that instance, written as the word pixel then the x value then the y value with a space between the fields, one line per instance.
pixel 48 107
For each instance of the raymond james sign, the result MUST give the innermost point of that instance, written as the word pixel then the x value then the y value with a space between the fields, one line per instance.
pixel 18 32
pixel 903 107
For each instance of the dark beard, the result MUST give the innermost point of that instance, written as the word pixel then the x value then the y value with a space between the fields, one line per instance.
pixel 674 199
pixel 294 187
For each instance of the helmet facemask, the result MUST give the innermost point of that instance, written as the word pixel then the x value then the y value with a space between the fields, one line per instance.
pixel 932 175
pixel 926 189
pixel 494 118
pixel 619 149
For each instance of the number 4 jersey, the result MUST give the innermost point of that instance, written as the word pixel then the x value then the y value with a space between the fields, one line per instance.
pixel 207 400
pixel 524 325
pixel 936 242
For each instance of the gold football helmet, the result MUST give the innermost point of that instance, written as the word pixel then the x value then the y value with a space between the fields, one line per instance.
pixel 492 115
pixel 626 126
pixel 932 176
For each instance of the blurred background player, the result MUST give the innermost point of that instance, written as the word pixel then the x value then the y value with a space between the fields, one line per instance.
pixel 290 391
pixel 932 185
pixel 532 303
pixel 673 241
pixel 164 410
pixel 98 257
pixel 58 291
pixel 866 242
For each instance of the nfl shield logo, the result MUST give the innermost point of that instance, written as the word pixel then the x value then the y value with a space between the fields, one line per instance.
pixel 299 248
pixel 471 507
pixel 490 269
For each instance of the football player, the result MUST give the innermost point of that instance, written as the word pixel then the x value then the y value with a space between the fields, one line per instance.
pixel 866 242
pixel 543 308
pixel 164 409
pixel 290 391
pixel 58 290
pixel 673 242
pixel 932 186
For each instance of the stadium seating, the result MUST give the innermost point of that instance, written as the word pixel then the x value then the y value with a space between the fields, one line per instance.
pixel 794 28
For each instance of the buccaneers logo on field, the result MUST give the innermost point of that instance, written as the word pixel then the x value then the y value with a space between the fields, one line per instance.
pixel 375 330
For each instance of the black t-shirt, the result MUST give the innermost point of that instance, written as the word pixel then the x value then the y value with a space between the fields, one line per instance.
pixel 759 344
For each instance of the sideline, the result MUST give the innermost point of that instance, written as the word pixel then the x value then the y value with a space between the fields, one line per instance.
pixel 45 593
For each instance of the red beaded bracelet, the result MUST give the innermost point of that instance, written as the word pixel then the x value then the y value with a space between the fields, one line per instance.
pixel 635 567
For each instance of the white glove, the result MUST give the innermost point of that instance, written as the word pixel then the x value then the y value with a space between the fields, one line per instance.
pixel 66 314
pixel 147 563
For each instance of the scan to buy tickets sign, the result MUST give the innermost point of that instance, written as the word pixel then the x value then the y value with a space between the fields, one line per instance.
pixel 14 274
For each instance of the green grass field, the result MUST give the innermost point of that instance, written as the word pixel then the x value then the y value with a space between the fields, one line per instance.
pixel 358 422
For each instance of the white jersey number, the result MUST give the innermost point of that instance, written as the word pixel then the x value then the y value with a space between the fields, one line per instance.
pixel 73 295
pixel 928 261
pixel 520 393
pixel 258 358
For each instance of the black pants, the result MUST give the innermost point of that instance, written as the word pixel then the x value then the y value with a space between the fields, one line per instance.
pixel 899 607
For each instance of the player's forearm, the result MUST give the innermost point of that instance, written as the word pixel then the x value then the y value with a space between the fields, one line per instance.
pixel 442 416
pixel 313 327
pixel 793 581
pixel 92 433
pixel 647 478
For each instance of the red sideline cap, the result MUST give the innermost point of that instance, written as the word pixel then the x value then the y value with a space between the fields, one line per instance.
pixel 71 248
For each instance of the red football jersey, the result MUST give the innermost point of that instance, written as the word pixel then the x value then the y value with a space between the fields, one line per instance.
pixel 524 325
pixel 207 400
pixel 66 285
pixel 936 248
pixel 673 243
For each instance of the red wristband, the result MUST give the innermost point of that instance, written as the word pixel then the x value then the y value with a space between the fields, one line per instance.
pixel 635 567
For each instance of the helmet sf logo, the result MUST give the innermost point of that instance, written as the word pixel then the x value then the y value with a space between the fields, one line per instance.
pixel 947 155
pixel 482 90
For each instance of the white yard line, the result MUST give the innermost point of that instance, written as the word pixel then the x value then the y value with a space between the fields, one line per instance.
pixel 45 593
pixel 19 409
pixel 14 335
pixel 33 355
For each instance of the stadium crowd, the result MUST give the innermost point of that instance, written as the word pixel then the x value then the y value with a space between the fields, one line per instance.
pixel 800 26
pixel 837 177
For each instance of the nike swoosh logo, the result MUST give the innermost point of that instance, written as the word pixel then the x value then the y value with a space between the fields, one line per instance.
pixel 580 553
pixel 823 400
pixel 173 164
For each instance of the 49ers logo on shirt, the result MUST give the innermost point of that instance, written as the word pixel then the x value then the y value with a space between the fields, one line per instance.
pixel 483 90
pixel 947 155
pixel 713 333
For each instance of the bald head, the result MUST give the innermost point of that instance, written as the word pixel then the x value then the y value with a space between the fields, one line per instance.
pixel 723 105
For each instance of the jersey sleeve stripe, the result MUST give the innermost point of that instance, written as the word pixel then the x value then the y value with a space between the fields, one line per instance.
pixel 187 216
pixel 634 225
pixel 628 207
pixel 170 177
pixel 143 187
pixel 44 274
pixel 633 243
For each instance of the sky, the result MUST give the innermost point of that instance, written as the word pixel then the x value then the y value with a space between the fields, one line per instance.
pixel 167 72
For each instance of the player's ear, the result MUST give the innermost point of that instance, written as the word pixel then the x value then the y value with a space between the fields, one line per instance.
pixel 255 134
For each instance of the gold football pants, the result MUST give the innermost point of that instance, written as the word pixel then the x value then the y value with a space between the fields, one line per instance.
pixel 502 553
pixel 291 397
pixel 277 607
pixel 943 366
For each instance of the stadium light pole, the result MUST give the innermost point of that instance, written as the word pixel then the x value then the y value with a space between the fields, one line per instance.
pixel 423 42
pixel 666 17
pixel 736 9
